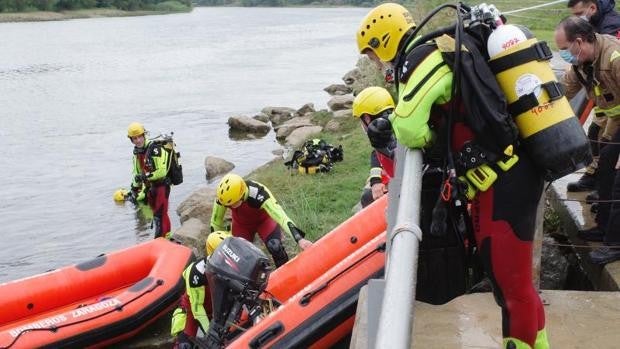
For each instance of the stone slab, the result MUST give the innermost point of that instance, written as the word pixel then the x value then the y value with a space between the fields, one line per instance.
pixel 575 320
pixel 575 215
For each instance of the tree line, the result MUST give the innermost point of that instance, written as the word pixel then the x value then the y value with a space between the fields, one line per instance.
pixel 132 5
pixel 63 5
pixel 252 3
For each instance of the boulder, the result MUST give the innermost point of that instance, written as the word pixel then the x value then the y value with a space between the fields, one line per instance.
pixel 338 89
pixel 247 124
pixel 215 166
pixel 193 233
pixel 305 109
pixel 340 102
pixel 278 115
pixel 352 76
pixel 261 117
pixel 299 135
pixel 198 205
pixel 366 74
pixel 343 113
pixel 285 129
pixel 332 125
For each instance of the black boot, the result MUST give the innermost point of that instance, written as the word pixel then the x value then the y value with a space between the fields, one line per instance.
pixel 592 234
pixel 587 182
pixel 592 197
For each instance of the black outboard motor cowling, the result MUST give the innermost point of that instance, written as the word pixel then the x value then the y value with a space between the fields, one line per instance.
pixel 237 274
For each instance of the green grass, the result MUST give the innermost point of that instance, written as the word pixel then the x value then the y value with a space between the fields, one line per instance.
pixel 317 203
pixel 541 21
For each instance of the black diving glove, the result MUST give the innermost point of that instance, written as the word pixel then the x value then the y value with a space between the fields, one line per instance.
pixel 380 133
pixel 141 178
pixel 297 233
pixel 131 197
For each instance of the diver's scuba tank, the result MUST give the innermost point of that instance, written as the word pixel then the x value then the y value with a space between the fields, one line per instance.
pixel 548 128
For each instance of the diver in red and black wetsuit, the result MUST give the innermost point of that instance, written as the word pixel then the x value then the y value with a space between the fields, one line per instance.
pixel 369 104
pixel 503 216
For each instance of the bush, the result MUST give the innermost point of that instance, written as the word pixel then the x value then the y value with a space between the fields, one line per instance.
pixel 168 6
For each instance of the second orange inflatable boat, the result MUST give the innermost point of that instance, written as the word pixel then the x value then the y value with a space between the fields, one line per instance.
pixel 94 303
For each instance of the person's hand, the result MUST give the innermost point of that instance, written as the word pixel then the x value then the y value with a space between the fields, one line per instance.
pixel 618 163
pixel 131 197
pixel 378 189
pixel 141 178
pixel 304 244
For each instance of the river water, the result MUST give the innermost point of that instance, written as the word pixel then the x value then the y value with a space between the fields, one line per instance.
pixel 69 89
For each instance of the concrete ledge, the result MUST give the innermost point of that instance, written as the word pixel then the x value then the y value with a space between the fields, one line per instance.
pixel 575 319
pixel 576 216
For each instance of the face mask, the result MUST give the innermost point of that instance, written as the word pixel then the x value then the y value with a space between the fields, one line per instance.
pixel 586 16
pixel 568 57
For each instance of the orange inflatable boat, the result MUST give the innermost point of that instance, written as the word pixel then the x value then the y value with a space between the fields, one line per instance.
pixel 315 293
pixel 322 313
pixel 94 303
pixel 329 250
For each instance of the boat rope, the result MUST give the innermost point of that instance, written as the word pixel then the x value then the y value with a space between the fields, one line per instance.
pixel 118 307
pixel 306 298
pixel 533 7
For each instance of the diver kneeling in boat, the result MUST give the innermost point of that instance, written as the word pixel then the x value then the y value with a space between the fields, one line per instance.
pixel 192 310
pixel 255 210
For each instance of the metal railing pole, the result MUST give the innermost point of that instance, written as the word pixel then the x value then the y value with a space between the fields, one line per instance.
pixel 396 318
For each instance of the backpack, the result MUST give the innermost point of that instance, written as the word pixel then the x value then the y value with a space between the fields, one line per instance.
pixel 175 170
pixel 487 109
pixel 315 155
pixel 483 100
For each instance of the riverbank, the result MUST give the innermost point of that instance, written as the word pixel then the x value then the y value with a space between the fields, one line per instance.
pixel 42 16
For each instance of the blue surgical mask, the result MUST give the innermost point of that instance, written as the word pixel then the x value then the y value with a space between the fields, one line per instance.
pixel 568 57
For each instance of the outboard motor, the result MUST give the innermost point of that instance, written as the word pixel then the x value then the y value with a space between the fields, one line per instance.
pixel 237 274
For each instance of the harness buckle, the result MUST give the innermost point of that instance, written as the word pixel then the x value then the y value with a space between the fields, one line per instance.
pixel 507 164
pixel 482 177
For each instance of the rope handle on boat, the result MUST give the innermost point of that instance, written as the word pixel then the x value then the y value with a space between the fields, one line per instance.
pixel 118 307
pixel 306 298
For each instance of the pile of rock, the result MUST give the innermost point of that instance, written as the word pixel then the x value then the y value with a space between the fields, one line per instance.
pixel 292 127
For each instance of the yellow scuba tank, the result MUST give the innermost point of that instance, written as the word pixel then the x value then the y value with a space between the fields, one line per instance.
pixel 548 128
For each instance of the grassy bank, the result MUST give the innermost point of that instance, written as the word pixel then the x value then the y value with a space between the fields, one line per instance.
pixel 541 21
pixel 319 202
pixel 40 16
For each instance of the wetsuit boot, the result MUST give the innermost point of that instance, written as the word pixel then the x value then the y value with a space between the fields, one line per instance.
pixel 541 340
pixel 587 182
pixel 277 251
pixel 513 343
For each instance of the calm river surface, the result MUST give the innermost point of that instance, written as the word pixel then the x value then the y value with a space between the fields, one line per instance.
pixel 69 89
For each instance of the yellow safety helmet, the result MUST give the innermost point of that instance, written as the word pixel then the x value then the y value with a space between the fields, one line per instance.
pixel 120 194
pixel 373 101
pixel 135 129
pixel 231 189
pixel 383 28
pixel 214 240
